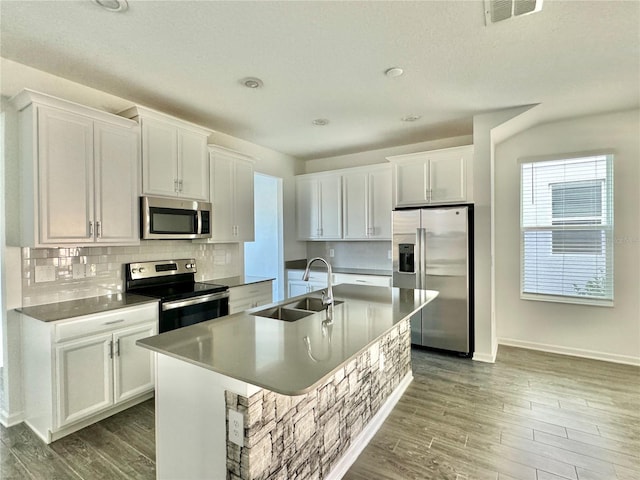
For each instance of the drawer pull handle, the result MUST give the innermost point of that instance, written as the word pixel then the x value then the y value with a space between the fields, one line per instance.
pixel 361 281
pixel 114 321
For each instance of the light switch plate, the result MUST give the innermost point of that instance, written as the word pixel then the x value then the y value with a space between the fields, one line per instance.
pixel 45 273
pixel 236 428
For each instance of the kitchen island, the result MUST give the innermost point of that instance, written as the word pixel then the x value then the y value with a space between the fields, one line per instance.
pixel 249 397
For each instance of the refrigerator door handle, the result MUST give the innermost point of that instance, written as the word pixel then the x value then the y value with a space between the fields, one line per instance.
pixel 420 261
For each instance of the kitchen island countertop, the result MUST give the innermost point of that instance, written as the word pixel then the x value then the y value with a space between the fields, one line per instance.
pixel 291 358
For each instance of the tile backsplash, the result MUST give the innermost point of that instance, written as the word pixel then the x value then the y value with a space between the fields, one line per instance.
pixel 104 267
pixel 371 255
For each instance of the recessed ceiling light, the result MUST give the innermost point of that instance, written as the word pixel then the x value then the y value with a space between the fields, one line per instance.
pixel 393 72
pixel 252 82
pixel 320 122
pixel 411 118
pixel 113 5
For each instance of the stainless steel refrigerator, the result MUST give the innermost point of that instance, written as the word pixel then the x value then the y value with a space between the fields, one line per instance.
pixel 433 250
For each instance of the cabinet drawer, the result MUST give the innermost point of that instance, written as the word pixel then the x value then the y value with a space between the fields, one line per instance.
pixel 102 322
pixel 250 291
pixel 373 280
pixel 246 303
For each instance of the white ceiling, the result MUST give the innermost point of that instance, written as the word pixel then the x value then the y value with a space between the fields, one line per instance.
pixel 321 59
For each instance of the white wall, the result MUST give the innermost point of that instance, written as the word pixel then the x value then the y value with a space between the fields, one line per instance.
pixel 597 332
pixel 485 128
pixel 371 157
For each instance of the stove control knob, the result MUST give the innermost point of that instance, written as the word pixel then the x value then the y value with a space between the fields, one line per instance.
pixel 141 269
pixel 189 265
pixel 134 270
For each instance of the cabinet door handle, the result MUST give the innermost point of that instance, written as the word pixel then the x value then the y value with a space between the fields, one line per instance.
pixel 90 229
pixel 180 185
pixel 117 352
pixel 175 185
pixel 114 321
pixel 99 227
pixel 110 349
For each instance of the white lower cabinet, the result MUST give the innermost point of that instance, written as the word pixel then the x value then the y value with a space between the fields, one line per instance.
pixel 296 286
pixel 84 372
pixel 244 297
pixel 81 370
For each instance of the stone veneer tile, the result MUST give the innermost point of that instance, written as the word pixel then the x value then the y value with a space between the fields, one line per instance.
pixel 303 437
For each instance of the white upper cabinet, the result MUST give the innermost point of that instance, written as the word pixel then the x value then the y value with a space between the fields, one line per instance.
pixel 79 174
pixel 116 184
pixel 231 195
pixel 434 177
pixel 175 160
pixel 367 203
pixel 319 206
pixel 65 176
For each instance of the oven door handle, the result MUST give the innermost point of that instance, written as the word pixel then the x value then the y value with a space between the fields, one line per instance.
pixel 194 301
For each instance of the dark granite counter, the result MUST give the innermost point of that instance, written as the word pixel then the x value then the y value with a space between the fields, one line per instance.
pixel 51 312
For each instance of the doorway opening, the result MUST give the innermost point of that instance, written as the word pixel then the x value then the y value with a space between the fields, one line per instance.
pixel 264 257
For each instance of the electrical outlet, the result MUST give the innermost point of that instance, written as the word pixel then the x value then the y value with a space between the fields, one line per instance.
pixel 332 252
pixel 388 254
pixel 45 273
pixel 91 270
pixel 381 362
pixel 236 428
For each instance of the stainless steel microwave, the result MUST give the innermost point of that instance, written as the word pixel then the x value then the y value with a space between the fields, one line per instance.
pixel 174 218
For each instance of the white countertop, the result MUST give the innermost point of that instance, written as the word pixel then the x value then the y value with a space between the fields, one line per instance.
pixel 273 354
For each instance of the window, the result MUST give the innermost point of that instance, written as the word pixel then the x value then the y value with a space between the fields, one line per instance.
pixel 576 203
pixel 567 229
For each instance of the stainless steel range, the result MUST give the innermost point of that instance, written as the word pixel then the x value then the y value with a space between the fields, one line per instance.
pixel 183 301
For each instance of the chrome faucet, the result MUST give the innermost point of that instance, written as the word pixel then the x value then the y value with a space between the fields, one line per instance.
pixel 328 300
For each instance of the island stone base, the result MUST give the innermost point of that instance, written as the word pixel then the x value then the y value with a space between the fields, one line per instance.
pixel 305 437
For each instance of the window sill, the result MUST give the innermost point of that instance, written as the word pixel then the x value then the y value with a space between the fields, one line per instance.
pixel 592 302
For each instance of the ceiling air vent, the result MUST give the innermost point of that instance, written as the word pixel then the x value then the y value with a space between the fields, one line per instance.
pixel 498 10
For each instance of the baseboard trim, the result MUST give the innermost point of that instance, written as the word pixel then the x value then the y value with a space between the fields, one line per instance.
pixel 487 357
pixel 573 352
pixel 8 420
pixel 363 439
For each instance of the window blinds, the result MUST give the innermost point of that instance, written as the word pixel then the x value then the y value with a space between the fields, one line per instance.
pixel 567 230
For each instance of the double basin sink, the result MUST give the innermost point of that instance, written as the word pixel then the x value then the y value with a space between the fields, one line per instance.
pixel 290 312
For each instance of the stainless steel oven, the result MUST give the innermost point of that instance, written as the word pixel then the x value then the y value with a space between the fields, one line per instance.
pixel 183 301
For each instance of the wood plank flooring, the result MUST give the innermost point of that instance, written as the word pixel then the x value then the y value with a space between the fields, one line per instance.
pixel 529 416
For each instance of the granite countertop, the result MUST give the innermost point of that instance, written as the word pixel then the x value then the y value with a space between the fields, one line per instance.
pixel 273 354
pixel 239 280
pixel 51 312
